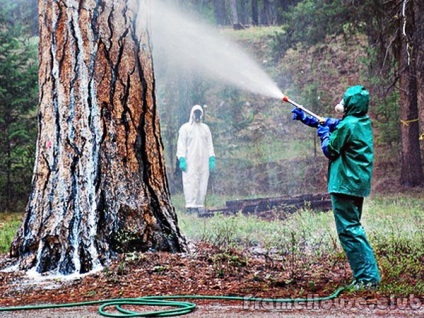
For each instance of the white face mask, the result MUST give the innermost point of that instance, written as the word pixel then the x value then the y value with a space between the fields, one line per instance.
pixel 340 107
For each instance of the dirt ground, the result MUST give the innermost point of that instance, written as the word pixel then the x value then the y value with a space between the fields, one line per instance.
pixel 223 310
pixel 209 271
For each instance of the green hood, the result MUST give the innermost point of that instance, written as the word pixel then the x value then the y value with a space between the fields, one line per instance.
pixel 351 147
pixel 356 101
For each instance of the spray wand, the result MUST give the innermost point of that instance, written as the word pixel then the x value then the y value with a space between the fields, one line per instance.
pixel 288 100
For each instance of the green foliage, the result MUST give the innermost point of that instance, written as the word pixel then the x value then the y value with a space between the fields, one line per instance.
pixel 311 21
pixel 9 224
pixel 19 17
pixel 386 100
pixel 388 114
pixel 18 102
pixel 227 260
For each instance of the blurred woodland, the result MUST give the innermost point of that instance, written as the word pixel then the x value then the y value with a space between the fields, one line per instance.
pixel 313 50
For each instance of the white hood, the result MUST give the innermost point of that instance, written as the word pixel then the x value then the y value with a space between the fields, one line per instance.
pixel 194 108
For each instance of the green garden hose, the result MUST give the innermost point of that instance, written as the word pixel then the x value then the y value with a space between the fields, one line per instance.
pixel 181 307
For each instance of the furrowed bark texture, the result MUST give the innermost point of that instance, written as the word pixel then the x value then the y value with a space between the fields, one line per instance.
pixel 419 47
pixel 99 184
pixel 411 163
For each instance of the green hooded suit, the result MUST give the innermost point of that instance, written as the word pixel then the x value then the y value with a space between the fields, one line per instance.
pixel 350 151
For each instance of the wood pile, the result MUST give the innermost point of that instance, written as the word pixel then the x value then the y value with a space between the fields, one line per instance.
pixel 274 207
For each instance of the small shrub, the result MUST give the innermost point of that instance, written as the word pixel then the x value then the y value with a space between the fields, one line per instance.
pixel 9 224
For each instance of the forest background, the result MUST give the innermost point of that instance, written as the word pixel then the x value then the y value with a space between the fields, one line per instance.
pixel 312 49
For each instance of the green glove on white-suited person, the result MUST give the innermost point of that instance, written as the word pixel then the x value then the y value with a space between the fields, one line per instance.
pixel 211 163
pixel 183 164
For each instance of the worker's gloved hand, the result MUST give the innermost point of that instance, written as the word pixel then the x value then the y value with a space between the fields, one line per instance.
pixel 299 114
pixel 331 123
pixel 211 163
pixel 183 164
pixel 324 134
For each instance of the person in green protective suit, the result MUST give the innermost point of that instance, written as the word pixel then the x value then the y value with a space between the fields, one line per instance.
pixel 348 144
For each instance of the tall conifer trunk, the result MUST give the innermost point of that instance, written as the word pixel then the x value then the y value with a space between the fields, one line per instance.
pixel 409 64
pixel 419 47
pixel 99 183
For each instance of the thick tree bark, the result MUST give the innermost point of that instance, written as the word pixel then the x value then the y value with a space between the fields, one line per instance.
pixel 411 164
pixel 419 43
pixel 99 183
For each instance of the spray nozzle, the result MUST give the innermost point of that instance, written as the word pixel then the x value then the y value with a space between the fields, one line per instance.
pixel 288 100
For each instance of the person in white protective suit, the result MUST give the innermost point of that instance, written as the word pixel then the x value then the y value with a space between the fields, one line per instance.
pixel 196 157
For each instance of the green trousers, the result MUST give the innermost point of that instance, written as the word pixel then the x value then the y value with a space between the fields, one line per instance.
pixel 347 213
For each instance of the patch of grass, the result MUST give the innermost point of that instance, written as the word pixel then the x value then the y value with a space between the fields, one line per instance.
pixel 212 201
pixel 394 227
pixel 304 232
pixel 9 224
pixel 253 33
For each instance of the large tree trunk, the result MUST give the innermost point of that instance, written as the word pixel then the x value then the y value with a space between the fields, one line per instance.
pixel 99 183
pixel 234 13
pixel 265 17
pixel 411 165
pixel 243 12
pixel 419 43
pixel 281 7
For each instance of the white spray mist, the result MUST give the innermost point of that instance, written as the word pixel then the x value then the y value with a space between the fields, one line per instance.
pixel 182 40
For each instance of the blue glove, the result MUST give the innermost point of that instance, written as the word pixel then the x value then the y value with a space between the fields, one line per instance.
pixel 324 134
pixel 211 163
pixel 183 164
pixel 299 114
pixel 331 123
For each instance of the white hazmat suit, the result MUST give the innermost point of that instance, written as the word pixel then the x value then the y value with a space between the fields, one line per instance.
pixel 195 145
